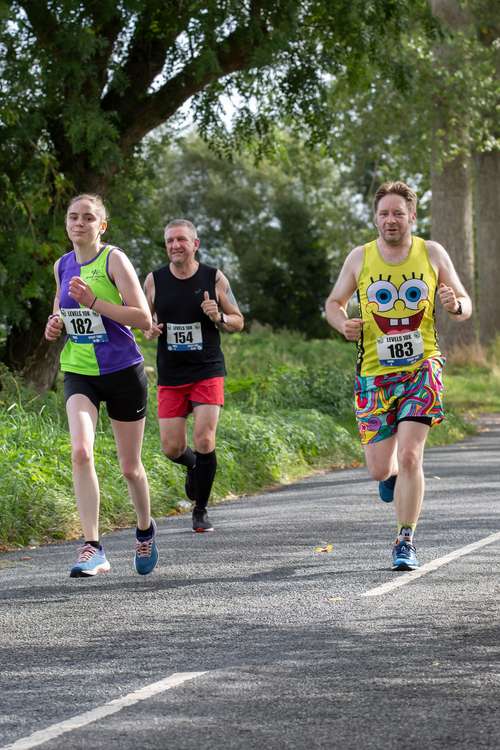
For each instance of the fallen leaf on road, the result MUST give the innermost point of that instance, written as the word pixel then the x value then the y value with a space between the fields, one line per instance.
pixel 334 599
pixel 324 548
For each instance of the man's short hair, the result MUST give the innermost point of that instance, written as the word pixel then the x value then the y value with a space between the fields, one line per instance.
pixel 183 223
pixel 396 188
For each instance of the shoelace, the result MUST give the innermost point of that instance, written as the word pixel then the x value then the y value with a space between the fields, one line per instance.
pixel 85 553
pixel 406 548
pixel 143 549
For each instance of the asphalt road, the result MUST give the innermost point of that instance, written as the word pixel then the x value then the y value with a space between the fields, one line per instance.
pixel 293 652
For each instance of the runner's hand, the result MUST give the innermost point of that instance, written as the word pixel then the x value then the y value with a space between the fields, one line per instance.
pixel 54 327
pixel 352 328
pixel 80 291
pixel 448 298
pixel 210 307
pixel 153 332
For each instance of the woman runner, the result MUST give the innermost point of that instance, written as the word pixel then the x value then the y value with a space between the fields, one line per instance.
pixel 98 296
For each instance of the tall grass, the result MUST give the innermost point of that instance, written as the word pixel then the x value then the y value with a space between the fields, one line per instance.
pixel 288 411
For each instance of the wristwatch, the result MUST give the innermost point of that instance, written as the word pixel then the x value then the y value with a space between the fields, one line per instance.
pixel 458 311
pixel 222 320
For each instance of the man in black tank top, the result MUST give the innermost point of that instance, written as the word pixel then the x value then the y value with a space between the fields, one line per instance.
pixel 191 304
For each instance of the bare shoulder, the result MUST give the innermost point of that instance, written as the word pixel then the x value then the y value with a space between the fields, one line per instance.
pixel 149 284
pixel 354 261
pixel 117 258
pixel 221 279
pixel 437 253
pixel 356 255
pixel 120 266
pixel 56 273
pixel 348 277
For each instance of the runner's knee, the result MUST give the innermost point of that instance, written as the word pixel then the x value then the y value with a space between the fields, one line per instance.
pixel 81 455
pixel 131 469
pixel 204 443
pixel 173 449
pixel 409 459
pixel 379 473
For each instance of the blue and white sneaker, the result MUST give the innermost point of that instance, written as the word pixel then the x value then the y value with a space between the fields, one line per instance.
pixel 404 556
pixel 386 489
pixel 146 553
pixel 90 562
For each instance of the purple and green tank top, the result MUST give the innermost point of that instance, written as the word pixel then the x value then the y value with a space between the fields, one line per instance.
pixel 95 345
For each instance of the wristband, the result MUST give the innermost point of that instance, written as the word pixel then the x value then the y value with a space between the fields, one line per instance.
pixel 93 303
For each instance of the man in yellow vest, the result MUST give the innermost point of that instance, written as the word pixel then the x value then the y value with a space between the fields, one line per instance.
pixel 398 385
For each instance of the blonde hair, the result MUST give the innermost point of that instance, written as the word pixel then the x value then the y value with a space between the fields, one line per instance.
pixel 95 199
pixel 396 188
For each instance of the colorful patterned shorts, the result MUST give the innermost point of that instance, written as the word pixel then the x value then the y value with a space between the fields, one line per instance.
pixel 381 401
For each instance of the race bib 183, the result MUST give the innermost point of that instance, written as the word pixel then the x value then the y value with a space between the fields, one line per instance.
pixel 84 326
pixel 401 349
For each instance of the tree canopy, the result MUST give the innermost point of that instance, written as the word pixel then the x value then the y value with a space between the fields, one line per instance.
pixel 84 81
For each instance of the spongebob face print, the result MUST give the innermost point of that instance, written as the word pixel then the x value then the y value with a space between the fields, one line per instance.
pixel 397 311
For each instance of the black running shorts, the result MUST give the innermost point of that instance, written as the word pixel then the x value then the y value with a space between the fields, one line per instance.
pixel 125 392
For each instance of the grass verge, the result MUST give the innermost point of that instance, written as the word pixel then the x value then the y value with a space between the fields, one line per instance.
pixel 288 413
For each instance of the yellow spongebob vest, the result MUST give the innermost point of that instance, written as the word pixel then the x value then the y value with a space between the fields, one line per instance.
pixel 396 303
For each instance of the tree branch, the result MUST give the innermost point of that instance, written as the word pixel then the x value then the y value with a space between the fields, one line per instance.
pixel 155 33
pixel 141 113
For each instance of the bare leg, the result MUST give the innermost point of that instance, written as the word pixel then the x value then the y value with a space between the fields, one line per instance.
pixel 128 437
pixel 82 420
pixel 381 458
pixel 206 418
pixel 173 436
pixel 409 491
pixel 402 454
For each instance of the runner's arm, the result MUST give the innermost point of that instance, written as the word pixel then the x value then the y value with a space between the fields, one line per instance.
pixel 227 317
pixel 54 326
pixel 156 328
pixel 451 291
pixel 134 311
pixel 336 304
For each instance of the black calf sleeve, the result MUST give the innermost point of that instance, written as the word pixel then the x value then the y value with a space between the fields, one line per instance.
pixel 187 458
pixel 206 466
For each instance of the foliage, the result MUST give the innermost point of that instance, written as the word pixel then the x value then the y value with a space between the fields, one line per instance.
pixel 278 228
pixel 82 84
pixel 281 421
pixel 380 131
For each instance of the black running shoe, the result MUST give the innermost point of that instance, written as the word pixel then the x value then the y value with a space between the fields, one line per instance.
pixel 200 521
pixel 190 484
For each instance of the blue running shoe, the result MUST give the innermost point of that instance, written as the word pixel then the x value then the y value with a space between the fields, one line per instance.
pixel 404 556
pixel 90 562
pixel 386 489
pixel 146 553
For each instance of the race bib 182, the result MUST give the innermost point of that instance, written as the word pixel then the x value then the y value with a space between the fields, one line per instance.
pixel 84 326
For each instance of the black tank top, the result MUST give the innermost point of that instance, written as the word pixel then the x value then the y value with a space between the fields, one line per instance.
pixel 189 347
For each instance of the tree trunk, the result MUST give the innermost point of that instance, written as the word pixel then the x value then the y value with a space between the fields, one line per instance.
pixel 488 244
pixel 451 183
pixel 452 227
pixel 31 355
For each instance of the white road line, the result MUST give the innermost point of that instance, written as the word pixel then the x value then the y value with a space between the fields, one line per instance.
pixel 55 730
pixel 402 580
